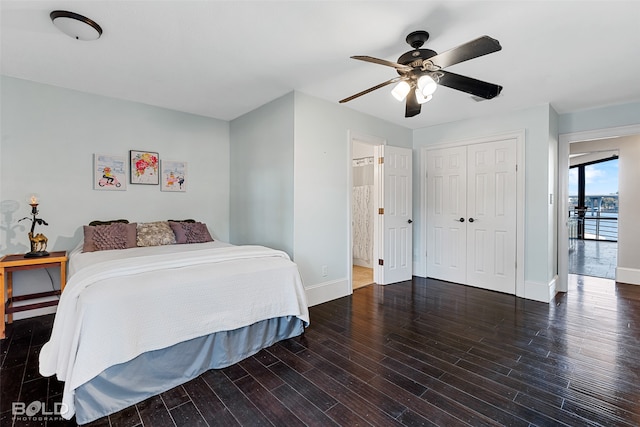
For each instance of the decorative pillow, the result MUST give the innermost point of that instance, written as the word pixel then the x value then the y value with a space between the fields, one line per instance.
pixel 117 235
pixel 155 234
pixel 190 232
pixel 111 221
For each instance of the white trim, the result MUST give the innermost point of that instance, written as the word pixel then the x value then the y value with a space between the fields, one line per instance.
pixel 327 291
pixel 563 188
pixel 540 291
pixel 629 276
pixel 420 266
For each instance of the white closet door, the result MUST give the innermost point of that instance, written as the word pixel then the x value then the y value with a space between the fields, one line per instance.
pixel 446 211
pixel 471 215
pixel 491 216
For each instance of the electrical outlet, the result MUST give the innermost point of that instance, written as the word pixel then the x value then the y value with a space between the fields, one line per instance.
pixel 325 271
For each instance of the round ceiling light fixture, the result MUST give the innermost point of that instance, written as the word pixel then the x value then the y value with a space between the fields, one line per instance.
pixel 74 25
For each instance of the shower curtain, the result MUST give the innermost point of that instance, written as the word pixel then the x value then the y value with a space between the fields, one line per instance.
pixel 363 211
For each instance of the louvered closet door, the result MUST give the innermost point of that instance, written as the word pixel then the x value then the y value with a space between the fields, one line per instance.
pixel 471 215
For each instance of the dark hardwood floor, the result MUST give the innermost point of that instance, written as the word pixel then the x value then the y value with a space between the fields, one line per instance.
pixel 416 353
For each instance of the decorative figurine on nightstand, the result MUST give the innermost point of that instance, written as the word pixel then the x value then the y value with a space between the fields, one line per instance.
pixel 38 241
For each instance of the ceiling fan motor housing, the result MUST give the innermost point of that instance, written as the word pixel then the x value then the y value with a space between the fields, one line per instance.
pixel 417 56
pixel 414 59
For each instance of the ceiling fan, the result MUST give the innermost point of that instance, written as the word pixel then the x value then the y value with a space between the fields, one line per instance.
pixel 422 70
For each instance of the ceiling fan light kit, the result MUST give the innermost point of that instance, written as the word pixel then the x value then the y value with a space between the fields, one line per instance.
pixel 76 26
pixel 421 71
pixel 401 90
pixel 427 85
pixel 421 98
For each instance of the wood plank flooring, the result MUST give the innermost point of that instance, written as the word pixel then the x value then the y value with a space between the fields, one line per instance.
pixel 422 352
pixel 361 276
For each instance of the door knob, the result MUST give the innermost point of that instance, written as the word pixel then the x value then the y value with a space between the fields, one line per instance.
pixel 471 219
pixel 461 219
pixel 409 221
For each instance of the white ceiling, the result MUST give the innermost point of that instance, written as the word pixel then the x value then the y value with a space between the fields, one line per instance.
pixel 223 59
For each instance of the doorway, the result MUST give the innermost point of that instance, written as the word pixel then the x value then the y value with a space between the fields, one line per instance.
pixel 363 191
pixel 593 213
pixel 566 141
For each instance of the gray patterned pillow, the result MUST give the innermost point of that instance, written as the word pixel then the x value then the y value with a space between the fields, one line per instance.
pixel 155 234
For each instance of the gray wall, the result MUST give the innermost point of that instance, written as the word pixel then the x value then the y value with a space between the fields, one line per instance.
pixel 262 176
pixel 600 118
pixel 322 191
pixel 281 171
pixel 291 161
pixel 49 136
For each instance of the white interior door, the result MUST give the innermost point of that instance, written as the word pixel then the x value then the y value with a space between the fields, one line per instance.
pixel 471 211
pixel 394 238
pixel 447 211
pixel 491 211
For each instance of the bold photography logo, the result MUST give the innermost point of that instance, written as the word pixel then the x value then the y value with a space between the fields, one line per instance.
pixel 37 410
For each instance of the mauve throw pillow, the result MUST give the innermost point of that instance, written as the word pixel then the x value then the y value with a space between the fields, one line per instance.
pixel 187 232
pixel 155 234
pixel 107 237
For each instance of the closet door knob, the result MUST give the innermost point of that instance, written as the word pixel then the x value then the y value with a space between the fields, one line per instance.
pixel 409 221
pixel 471 219
pixel 461 219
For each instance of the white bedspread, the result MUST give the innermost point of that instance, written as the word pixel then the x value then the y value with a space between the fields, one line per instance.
pixel 120 304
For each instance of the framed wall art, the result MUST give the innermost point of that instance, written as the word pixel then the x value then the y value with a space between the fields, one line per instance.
pixel 174 176
pixel 109 172
pixel 144 167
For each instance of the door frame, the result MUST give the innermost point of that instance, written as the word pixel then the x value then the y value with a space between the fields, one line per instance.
pixel 520 138
pixel 564 140
pixel 373 141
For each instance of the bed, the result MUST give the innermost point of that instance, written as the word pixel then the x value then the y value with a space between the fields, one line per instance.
pixel 136 321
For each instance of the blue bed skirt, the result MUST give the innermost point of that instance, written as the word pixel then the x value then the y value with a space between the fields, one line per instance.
pixel 151 373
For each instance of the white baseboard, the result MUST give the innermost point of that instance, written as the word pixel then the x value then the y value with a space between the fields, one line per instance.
pixel 327 291
pixel 630 276
pixel 543 292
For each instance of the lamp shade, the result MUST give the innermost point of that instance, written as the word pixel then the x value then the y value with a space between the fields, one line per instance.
pixel 77 26
pixel 427 85
pixel 401 90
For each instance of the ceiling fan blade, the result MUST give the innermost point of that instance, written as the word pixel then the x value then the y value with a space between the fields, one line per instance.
pixel 469 85
pixel 371 89
pixel 395 65
pixel 481 46
pixel 412 106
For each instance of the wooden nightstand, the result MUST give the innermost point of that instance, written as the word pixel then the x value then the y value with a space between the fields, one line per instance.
pixel 11 263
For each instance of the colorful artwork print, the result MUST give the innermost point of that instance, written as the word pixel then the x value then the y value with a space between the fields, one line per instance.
pixel 174 176
pixel 144 167
pixel 109 172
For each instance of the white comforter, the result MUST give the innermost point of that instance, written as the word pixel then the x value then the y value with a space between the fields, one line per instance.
pixel 120 304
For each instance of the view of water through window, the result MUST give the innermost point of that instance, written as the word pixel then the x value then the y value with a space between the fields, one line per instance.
pixel 600 217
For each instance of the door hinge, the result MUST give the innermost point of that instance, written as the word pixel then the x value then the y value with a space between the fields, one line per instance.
pixel 380 262
pixel 380 160
pixel 380 211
